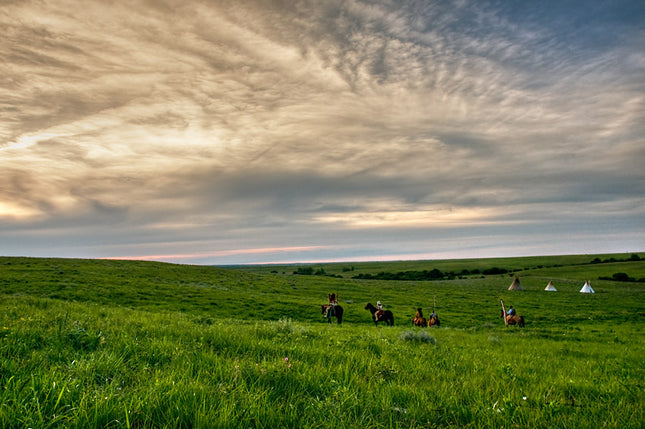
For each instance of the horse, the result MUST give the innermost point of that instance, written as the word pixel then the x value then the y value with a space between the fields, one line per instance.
pixel 512 320
pixel 386 317
pixel 332 311
pixel 419 320
pixel 434 321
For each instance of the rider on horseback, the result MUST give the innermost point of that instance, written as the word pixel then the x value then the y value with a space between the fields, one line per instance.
pixel 379 310
pixel 333 302
pixel 510 313
pixel 419 320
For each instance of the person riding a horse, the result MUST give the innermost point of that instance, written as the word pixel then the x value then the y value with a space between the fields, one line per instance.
pixel 332 298
pixel 379 314
pixel 419 320
pixel 512 318
pixel 379 310
pixel 333 302
pixel 511 312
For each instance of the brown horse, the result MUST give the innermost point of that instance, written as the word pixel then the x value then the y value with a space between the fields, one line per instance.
pixel 330 311
pixel 434 321
pixel 512 320
pixel 419 320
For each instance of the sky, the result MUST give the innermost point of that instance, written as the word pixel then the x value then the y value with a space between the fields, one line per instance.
pixel 274 131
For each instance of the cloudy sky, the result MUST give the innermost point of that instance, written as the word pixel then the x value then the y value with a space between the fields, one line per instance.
pixel 221 132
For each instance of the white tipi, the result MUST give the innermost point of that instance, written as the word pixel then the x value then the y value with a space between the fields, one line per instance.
pixel 550 287
pixel 516 285
pixel 587 288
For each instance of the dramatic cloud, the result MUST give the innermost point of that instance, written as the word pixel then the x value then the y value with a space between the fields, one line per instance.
pixel 232 132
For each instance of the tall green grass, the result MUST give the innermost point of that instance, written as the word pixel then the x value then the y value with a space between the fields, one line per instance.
pixel 119 344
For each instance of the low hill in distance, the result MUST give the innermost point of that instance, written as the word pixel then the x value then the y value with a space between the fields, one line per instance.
pixel 519 265
pixel 274 292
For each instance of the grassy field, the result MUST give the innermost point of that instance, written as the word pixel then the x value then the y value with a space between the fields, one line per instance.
pixel 87 343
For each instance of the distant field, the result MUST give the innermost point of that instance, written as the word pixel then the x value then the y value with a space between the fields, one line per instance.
pixel 91 343
pixel 518 264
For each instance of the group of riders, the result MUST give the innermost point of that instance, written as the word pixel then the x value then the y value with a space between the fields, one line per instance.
pixel 420 320
pixel 378 314
pixel 333 302
pixel 417 320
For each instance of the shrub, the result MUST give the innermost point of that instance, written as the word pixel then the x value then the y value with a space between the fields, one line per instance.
pixel 619 277
pixel 420 336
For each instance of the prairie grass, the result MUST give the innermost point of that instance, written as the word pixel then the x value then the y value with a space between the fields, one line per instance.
pixel 250 350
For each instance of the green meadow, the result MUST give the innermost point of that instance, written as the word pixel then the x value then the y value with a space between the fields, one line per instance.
pixel 123 344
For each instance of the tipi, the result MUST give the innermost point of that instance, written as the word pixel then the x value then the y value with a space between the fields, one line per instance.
pixel 516 285
pixel 587 288
pixel 550 287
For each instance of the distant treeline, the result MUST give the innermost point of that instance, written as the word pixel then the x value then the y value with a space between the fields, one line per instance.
pixel 619 277
pixel 434 274
pixel 309 271
pixel 633 257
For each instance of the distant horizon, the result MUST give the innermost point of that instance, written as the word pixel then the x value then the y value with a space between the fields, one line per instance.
pixel 419 260
pixel 135 259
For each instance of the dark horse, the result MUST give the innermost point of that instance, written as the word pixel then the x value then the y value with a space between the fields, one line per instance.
pixel 513 320
pixel 386 317
pixel 332 311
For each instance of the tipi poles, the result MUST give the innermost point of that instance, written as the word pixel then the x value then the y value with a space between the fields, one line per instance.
pixel 504 313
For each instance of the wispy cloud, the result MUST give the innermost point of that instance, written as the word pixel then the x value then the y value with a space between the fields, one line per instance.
pixel 269 125
pixel 219 254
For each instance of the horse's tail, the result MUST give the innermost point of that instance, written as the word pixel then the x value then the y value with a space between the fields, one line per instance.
pixel 520 323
